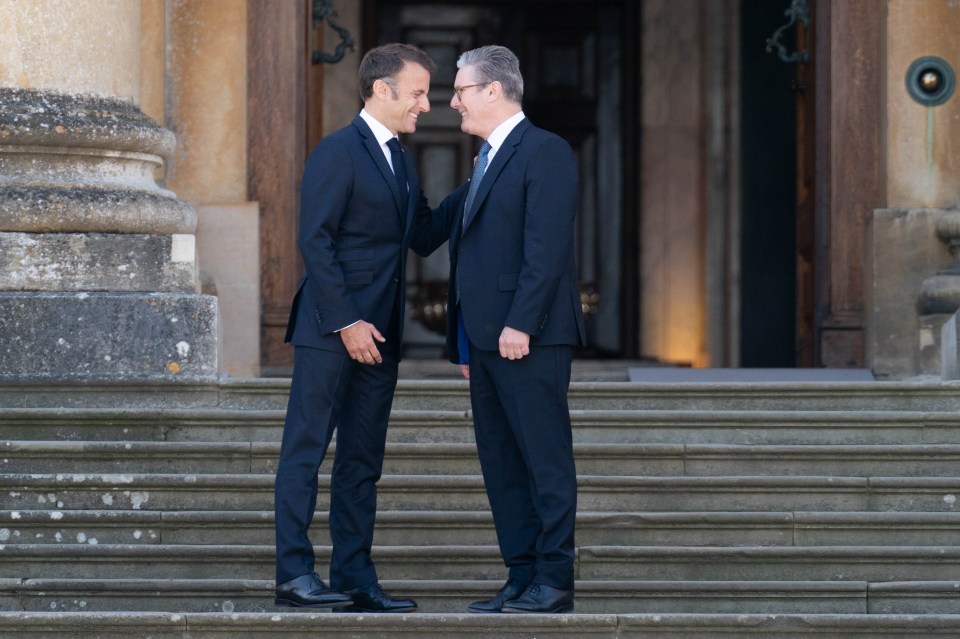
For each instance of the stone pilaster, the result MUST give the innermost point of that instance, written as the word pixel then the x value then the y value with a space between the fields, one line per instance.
pixel 915 239
pixel 98 275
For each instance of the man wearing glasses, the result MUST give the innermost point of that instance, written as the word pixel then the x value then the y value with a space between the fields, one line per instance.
pixel 514 318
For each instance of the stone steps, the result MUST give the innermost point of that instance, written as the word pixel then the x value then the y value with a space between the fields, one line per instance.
pixel 452 596
pixel 215 491
pixel 829 508
pixel 425 425
pixel 405 458
pixel 396 528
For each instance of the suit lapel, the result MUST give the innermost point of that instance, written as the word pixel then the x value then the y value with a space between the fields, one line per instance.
pixel 376 154
pixel 504 153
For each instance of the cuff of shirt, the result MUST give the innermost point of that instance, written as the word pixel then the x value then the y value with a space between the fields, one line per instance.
pixel 347 326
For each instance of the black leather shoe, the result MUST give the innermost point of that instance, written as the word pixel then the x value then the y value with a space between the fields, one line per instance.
pixel 541 599
pixel 510 591
pixel 372 598
pixel 309 591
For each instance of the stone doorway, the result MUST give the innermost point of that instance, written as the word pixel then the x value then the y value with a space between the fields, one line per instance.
pixel 572 58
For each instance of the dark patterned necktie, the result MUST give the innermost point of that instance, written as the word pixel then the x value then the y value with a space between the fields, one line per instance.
pixel 478 172
pixel 399 168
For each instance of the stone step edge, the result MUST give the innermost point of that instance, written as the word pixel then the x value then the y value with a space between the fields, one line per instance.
pixel 26 384
pixel 258 552
pixel 255 481
pixel 273 416
pixel 583 587
pixel 135 449
pixel 605 518
pixel 480 586
pixel 448 624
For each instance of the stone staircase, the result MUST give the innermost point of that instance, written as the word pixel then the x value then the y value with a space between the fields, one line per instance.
pixel 706 510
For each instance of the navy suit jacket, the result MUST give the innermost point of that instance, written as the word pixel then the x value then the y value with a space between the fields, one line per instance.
pixel 354 235
pixel 512 254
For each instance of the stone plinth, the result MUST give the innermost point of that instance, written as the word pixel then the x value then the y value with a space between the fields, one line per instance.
pixel 96 262
pixel 950 348
pixel 107 335
pixel 905 251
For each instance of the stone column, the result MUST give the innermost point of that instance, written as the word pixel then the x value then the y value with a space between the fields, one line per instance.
pixel 914 290
pixel 99 276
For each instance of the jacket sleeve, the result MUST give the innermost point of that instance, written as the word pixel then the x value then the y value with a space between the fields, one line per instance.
pixel 324 200
pixel 432 227
pixel 549 212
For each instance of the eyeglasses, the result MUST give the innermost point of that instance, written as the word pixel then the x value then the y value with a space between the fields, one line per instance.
pixel 459 90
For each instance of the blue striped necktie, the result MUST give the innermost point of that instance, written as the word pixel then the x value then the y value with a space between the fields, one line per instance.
pixel 478 172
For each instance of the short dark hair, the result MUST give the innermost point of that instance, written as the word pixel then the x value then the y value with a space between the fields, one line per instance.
pixel 385 62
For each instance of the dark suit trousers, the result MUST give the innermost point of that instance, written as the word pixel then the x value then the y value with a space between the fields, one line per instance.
pixel 331 391
pixel 525 444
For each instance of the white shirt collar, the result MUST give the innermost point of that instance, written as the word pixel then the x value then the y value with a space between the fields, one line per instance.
pixel 501 132
pixel 380 132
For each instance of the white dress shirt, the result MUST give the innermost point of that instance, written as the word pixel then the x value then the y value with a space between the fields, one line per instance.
pixel 380 132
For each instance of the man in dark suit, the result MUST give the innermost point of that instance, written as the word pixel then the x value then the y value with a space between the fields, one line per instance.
pixel 359 195
pixel 514 318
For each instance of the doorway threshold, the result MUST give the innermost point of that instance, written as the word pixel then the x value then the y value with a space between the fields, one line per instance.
pixel 708 375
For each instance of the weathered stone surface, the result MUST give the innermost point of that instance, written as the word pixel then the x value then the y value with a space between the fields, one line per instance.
pixel 97 262
pixel 55 119
pixel 73 163
pixel 750 626
pixel 905 251
pixel 107 335
pixel 915 597
pixel 228 241
pixel 950 348
pixel 88 210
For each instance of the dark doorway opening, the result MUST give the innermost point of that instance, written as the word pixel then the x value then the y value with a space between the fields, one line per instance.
pixel 768 299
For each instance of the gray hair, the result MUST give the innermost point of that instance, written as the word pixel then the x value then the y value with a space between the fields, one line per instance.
pixel 496 64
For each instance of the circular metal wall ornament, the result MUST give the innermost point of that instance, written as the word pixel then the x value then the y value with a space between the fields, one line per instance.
pixel 930 80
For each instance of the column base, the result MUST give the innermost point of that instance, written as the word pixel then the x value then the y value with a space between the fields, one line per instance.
pixel 107 336
pixel 950 348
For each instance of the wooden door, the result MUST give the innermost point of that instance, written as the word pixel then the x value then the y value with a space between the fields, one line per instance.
pixel 284 98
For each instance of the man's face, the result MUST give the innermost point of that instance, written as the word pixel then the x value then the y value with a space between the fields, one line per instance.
pixel 412 85
pixel 469 98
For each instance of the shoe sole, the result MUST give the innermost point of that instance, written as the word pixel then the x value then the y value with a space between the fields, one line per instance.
pixel 286 603
pixel 491 611
pixel 559 610
pixel 371 611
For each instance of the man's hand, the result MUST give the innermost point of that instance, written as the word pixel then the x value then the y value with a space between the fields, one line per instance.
pixel 359 340
pixel 514 344
pixel 465 369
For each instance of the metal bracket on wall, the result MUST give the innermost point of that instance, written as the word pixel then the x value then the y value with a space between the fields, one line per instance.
pixel 799 10
pixel 323 10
